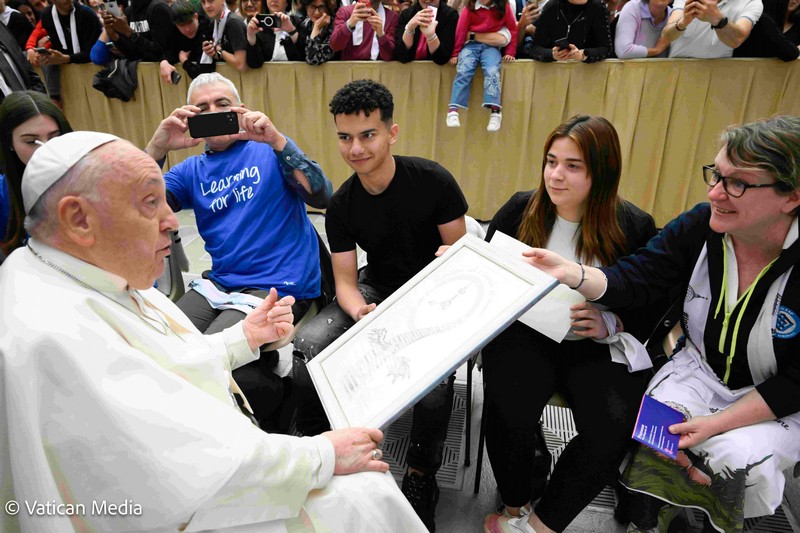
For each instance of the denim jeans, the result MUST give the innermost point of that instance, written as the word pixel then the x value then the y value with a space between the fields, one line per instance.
pixel 471 55
pixel 431 413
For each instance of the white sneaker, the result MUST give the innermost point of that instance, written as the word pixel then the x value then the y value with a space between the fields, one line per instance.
pixel 495 119
pixel 453 120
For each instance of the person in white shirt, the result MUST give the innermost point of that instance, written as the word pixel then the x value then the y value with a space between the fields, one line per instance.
pixel 117 413
pixel 710 28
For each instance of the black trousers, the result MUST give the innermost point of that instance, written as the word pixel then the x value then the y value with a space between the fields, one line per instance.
pixel 261 386
pixel 522 369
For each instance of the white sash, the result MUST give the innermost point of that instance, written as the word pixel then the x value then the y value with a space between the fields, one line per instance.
pixel 73 30
pixel 219 30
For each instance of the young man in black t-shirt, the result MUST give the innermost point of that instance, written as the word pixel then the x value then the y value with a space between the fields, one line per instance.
pixel 399 210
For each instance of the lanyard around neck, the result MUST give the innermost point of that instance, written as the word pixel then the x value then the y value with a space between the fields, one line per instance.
pixel 726 319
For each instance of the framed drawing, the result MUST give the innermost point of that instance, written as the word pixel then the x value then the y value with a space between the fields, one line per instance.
pixel 424 331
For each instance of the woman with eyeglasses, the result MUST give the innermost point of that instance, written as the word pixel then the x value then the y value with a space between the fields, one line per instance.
pixel 317 27
pixel 736 374
pixel 249 9
pixel 28 119
pixel 276 38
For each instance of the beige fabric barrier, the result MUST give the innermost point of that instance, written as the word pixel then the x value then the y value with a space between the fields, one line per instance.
pixel 669 114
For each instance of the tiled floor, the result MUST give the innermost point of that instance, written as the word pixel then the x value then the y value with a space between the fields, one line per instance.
pixel 459 511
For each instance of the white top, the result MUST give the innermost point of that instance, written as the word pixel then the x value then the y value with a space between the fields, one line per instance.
pixel 563 238
pixel 700 40
pixel 96 406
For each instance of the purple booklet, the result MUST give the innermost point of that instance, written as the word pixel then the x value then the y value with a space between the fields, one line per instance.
pixel 652 426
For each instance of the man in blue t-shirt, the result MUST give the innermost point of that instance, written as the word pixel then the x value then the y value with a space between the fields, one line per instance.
pixel 248 192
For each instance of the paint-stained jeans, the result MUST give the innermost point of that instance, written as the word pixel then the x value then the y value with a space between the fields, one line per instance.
pixel 472 55
pixel 431 413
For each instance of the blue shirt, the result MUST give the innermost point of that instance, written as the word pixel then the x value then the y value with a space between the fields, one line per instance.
pixel 5 207
pixel 252 217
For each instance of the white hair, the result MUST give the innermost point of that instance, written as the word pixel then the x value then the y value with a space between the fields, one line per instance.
pixel 211 78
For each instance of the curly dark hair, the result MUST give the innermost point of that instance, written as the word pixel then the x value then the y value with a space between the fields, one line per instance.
pixel 363 95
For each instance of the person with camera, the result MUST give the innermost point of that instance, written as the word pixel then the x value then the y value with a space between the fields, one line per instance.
pixel 142 31
pixel 73 31
pixel 274 36
pixel 526 24
pixel 571 30
pixel 186 44
pixel 431 20
pixel 710 29
pixel 364 31
pixel 227 40
pixel 249 193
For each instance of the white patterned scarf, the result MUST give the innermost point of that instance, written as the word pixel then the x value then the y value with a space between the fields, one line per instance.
pixel 73 30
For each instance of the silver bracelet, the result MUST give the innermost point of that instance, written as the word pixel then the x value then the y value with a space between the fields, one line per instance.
pixel 432 38
pixel 583 277
pixel 406 30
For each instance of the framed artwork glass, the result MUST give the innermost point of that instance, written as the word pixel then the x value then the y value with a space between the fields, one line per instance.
pixel 425 330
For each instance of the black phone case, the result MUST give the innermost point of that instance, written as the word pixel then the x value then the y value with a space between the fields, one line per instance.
pixel 213 124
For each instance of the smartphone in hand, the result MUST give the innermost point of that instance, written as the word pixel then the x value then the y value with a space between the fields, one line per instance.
pixel 562 44
pixel 213 124
pixel 43 51
pixel 112 7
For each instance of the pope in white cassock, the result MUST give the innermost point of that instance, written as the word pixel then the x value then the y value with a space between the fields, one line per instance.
pixel 115 412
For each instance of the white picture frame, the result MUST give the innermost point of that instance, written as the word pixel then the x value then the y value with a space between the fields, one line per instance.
pixel 422 332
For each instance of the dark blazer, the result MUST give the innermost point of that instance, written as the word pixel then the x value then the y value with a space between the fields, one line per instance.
pixel 265 45
pixel 446 31
pixel 20 28
pixel 29 77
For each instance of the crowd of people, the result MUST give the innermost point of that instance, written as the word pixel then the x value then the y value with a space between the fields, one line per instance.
pixel 197 34
pixel 74 233
pixel 112 381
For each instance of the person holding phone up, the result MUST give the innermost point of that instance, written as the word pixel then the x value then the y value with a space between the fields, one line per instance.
pixel 249 192
pixel 274 36
pixel 571 30
pixel 431 20
pixel 526 25
pixel 141 32
pixel 364 31
pixel 709 29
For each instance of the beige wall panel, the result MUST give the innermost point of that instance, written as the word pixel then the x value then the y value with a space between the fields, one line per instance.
pixel 669 115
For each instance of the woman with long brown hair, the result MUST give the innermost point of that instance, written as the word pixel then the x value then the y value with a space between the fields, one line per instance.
pixel 28 119
pixel 577 212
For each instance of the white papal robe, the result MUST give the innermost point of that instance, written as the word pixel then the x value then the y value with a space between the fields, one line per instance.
pixel 98 409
